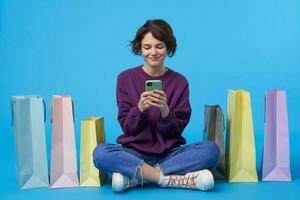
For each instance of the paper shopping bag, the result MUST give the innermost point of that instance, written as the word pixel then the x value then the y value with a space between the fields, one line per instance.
pixel 276 154
pixel 214 131
pixel 28 122
pixel 92 134
pixel 63 151
pixel 241 145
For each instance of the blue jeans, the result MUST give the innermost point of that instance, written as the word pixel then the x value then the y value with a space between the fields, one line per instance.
pixel 179 160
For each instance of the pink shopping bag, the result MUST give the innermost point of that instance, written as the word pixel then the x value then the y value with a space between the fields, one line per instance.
pixel 63 151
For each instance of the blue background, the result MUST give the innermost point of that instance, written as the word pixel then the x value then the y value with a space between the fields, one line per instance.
pixel 79 47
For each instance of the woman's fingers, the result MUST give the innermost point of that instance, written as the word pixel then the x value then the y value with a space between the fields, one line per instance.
pixel 155 104
pixel 145 94
pixel 153 93
pixel 155 98
pixel 144 101
pixel 159 92
pixel 161 98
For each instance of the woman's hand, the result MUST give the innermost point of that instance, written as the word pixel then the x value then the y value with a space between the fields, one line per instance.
pixel 158 99
pixel 155 98
pixel 144 101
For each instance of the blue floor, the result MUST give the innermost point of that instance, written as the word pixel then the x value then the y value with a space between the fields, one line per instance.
pixel 223 190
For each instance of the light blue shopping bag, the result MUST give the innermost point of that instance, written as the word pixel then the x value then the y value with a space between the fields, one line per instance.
pixel 28 121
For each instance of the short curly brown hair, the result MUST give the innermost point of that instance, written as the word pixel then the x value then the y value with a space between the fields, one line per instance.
pixel 160 30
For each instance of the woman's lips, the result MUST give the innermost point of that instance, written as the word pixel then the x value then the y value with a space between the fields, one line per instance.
pixel 154 59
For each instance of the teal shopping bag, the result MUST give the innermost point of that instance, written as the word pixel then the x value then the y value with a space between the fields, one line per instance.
pixel 28 121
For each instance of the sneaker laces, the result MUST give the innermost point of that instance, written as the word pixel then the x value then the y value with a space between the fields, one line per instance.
pixel 132 182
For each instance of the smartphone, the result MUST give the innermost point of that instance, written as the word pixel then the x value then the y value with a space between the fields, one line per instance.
pixel 153 85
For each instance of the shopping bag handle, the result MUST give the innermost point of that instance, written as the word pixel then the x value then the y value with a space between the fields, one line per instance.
pixel 223 119
pixel 73 110
pixel 44 105
pixel 51 111
pixel 51 108
pixel 206 121
pixel 12 112
pixel 265 104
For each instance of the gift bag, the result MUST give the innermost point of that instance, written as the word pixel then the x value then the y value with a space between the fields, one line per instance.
pixel 63 151
pixel 28 121
pixel 92 134
pixel 276 154
pixel 241 145
pixel 214 131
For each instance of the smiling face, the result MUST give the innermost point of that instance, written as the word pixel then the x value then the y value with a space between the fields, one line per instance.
pixel 153 50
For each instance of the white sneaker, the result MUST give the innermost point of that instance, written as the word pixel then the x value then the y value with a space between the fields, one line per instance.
pixel 121 182
pixel 201 180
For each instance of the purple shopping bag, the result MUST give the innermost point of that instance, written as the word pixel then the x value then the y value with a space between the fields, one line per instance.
pixel 276 155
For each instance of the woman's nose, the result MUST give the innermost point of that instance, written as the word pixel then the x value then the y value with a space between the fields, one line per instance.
pixel 153 51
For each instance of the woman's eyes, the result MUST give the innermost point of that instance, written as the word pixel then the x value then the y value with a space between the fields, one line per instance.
pixel 149 47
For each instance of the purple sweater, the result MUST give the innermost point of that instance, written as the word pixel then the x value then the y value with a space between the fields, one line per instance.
pixel 146 131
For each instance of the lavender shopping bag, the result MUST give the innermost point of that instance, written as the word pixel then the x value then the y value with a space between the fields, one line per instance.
pixel 276 155
pixel 28 120
pixel 63 152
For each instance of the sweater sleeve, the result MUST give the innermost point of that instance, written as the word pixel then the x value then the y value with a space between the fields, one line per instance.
pixel 173 125
pixel 132 121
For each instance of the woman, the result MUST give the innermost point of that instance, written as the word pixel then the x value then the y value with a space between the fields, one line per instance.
pixel 153 121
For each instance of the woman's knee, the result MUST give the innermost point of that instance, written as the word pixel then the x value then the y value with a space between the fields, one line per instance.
pixel 211 149
pixel 210 146
pixel 214 151
pixel 102 152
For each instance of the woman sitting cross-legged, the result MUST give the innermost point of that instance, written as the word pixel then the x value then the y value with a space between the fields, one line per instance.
pixel 151 148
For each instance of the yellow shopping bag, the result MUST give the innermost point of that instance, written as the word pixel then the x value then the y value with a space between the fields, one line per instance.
pixel 241 158
pixel 92 134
